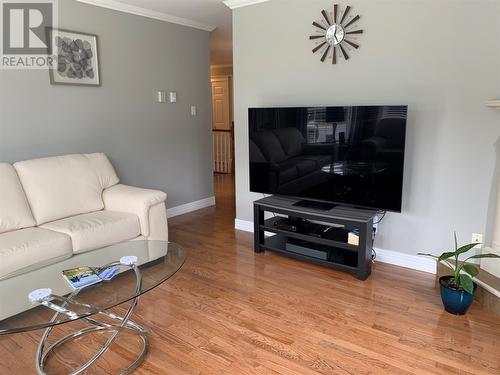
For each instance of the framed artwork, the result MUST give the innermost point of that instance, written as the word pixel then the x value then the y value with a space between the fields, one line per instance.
pixel 76 58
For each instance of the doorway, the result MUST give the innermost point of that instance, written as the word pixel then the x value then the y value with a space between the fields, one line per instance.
pixel 223 132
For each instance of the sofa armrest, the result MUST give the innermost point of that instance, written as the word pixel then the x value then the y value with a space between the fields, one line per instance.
pixel 377 143
pixel 372 146
pixel 133 200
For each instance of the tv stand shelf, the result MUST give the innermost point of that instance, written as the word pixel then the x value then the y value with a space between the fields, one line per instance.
pixel 328 252
pixel 269 227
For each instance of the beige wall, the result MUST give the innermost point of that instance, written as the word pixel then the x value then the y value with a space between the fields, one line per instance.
pixel 442 58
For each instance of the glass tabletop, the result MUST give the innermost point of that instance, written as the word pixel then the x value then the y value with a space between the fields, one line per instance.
pixel 355 168
pixel 157 261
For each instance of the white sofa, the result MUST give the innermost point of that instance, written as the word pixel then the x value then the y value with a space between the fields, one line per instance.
pixel 55 207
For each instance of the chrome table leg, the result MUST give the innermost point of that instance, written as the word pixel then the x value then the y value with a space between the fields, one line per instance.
pixel 123 325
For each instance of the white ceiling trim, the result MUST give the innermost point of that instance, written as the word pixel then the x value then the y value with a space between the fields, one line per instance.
pixel 233 4
pixel 143 12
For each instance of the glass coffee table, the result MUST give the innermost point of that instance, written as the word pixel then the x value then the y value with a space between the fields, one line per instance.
pixel 355 168
pixel 43 299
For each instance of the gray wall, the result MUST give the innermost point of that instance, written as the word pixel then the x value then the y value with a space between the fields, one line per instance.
pixel 151 145
pixel 442 58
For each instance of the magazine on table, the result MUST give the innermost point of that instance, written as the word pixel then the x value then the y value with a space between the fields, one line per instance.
pixel 81 277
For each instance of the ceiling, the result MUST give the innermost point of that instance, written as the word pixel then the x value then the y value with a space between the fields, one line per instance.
pixel 210 13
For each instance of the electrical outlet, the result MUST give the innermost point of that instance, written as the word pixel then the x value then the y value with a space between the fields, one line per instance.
pixel 477 237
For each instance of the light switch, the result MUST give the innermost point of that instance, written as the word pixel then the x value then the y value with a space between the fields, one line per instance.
pixel 172 97
pixel 161 97
pixel 193 110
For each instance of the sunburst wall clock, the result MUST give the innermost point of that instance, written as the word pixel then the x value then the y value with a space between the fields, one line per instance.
pixel 336 34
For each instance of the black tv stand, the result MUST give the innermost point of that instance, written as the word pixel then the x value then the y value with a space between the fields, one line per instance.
pixel 324 206
pixel 304 244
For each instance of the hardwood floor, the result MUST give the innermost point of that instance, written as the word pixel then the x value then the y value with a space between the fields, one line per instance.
pixel 230 311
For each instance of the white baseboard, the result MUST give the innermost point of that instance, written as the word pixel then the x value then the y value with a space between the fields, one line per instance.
pixel 413 262
pixel 190 207
pixel 244 225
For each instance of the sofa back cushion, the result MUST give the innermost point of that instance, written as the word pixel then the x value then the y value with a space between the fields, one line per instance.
pixel 291 140
pixel 269 145
pixel 15 212
pixel 256 155
pixel 64 186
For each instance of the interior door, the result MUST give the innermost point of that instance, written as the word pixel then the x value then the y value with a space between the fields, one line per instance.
pixel 220 104
pixel 222 125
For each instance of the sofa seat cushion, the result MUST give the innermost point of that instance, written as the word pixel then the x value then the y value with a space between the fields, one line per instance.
pixel 15 212
pixel 320 160
pixel 288 171
pixel 31 248
pixel 97 229
pixel 305 167
pixel 64 186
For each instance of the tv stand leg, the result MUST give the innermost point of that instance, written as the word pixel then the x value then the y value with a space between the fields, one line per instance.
pixel 365 252
pixel 362 275
pixel 258 234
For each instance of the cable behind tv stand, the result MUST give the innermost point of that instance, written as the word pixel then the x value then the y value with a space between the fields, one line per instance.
pixel 308 241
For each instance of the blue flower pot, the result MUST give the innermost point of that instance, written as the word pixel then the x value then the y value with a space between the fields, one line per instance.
pixel 455 301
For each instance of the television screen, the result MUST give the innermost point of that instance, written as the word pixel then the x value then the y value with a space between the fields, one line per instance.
pixel 346 155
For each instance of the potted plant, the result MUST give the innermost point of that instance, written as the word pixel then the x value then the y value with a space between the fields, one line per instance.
pixel 457 290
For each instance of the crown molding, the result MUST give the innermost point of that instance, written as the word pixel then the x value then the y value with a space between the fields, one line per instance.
pixel 233 4
pixel 148 13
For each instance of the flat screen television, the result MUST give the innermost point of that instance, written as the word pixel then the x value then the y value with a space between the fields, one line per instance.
pixel 351 155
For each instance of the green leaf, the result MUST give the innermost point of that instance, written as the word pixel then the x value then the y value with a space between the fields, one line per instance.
pixel 466 248
pixel 446 255
pixel 428 255
pixel 480 256
pixel 466 283
pixel 471 269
